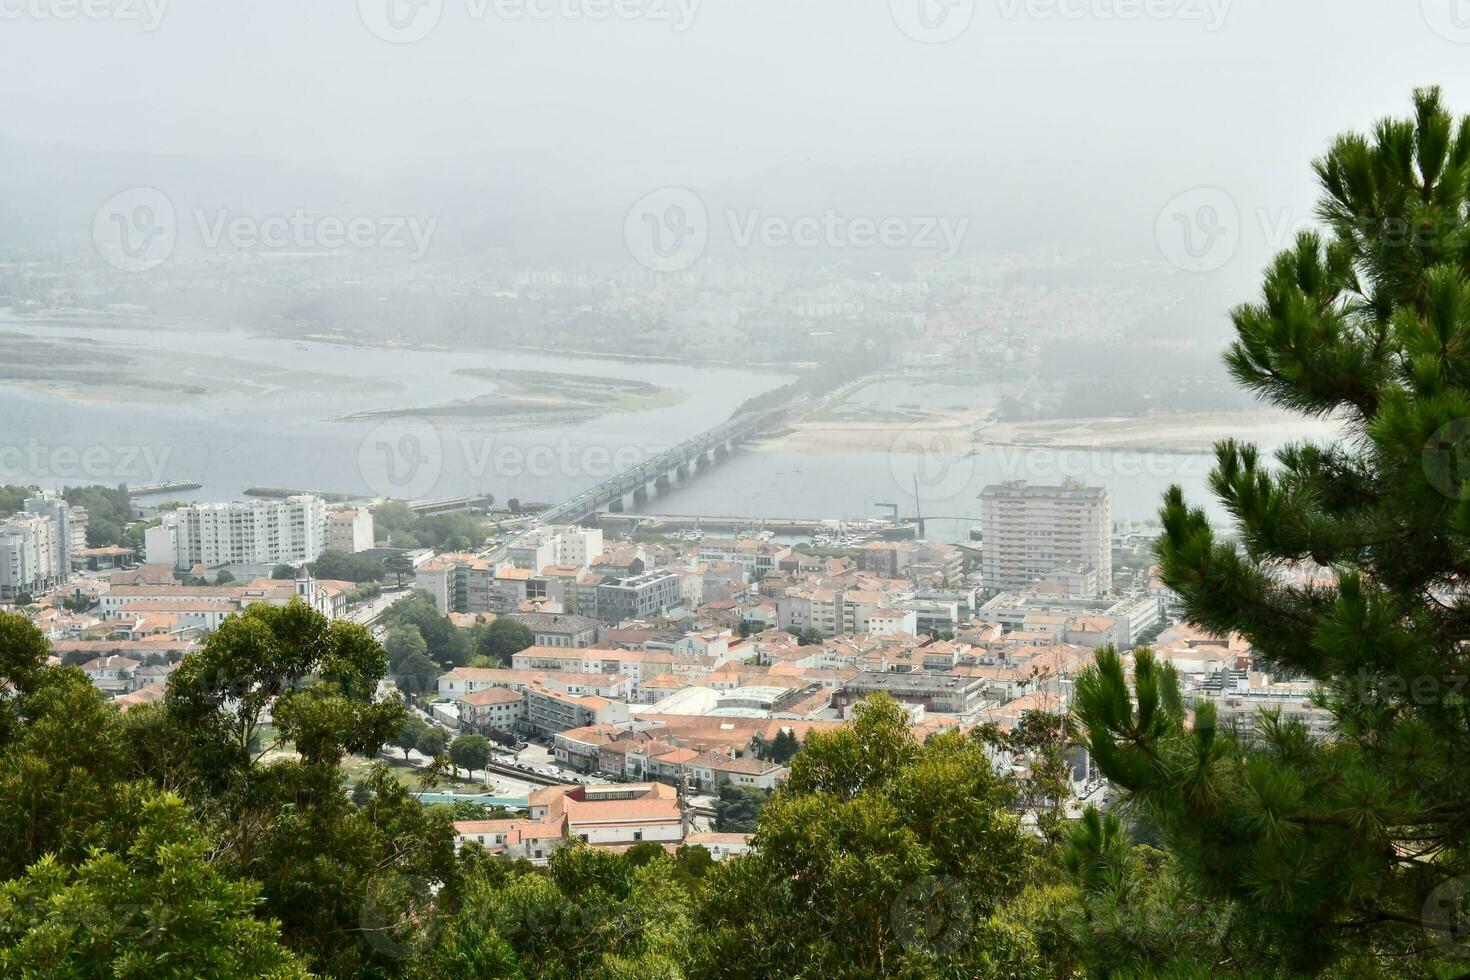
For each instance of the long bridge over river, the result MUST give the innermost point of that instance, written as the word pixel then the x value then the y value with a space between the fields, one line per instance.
pixel 662 471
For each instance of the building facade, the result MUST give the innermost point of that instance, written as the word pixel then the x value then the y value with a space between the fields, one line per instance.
pixel 257 532
pixel 638 596
pixel 29 555
pixel 350 529
pixel 1029 531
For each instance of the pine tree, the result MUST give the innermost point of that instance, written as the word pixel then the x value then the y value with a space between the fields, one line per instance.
pixel 1354 846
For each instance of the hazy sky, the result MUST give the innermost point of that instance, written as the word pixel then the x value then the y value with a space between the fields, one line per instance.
pixel 1038 109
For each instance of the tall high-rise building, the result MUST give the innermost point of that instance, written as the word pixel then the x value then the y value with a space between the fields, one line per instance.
pixel 51 505
pixel 256 532
pixel 1029 532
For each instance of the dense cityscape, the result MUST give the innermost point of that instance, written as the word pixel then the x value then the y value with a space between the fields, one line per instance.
pixel 709 490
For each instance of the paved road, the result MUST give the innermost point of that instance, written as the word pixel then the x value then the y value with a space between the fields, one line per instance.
pixel 371 610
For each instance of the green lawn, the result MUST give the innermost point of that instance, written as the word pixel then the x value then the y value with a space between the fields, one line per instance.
pixel 355 767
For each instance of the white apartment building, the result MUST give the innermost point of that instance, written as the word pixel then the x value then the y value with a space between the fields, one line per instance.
pixel 350 529
pixel 556 545
pixel 256 532
pixel 29 545
pixel 52 506
pixel 578 546
pixel 1028 531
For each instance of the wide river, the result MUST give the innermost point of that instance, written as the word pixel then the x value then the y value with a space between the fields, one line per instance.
pixel 277 424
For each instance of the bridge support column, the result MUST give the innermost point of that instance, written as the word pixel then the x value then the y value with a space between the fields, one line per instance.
pixel 640 495
pixel 721 452
pixel 663 485
pixel 681 472
pixel 616 506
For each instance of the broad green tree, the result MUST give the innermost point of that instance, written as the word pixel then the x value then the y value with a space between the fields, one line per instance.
pixel 65 772
pixel 398 565
pixel 415 675
pixel 1327 849
pixel 316 681
pixel 409 734
pixel 469 752
pixel 433 740
pixel 159 910
pixel 593 913
pixel 503 638
pixel 284 819
pixel 738 807
pixel 878 856
pixel 403 641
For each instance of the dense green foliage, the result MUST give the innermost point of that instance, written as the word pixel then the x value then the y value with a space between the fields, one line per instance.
pixel 738 808
pixel 400 527
pixel 13 498
pixel 1332 854
pixel 109 511
pixel 345 567
pixel 501 639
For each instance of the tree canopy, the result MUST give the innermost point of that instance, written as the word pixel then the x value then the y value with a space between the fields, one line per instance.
pixel 1328 850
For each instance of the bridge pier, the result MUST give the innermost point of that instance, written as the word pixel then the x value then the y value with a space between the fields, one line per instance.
pixel 640 495
pixel 721 452
pixel 663 485
pixel 616 506
pixel 681 472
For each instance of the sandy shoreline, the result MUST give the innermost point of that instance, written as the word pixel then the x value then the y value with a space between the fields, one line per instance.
pixel 967 432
